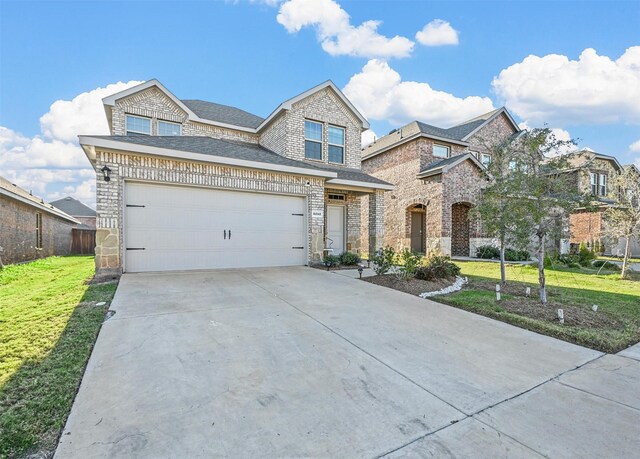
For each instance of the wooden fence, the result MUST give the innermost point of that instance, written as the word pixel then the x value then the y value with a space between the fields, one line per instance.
pixel 83 241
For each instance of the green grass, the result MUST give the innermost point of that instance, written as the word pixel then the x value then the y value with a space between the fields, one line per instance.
pixel 631 260
pixel 582 288
pixel 48 325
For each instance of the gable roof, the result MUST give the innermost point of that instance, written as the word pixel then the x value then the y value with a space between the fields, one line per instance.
pixel 458 134
pixel 13 191
pixel 232 152
pixel 73 207
pixel 443 165
pixel 287 104
pixel 583 157
pixel 223 113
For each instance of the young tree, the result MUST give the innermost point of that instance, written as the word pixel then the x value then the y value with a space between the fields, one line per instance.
pixel 498 205
pixel 623 220
pixel 543 189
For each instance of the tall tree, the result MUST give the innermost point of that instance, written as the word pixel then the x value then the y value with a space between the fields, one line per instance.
pixel 545 192
pixel 623 220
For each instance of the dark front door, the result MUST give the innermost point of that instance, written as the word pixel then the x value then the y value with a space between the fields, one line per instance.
pixel 417 225
pixel 460 230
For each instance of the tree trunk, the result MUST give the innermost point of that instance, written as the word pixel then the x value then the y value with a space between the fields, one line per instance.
pixel 541 276
pixel 625 260
pixel 503 273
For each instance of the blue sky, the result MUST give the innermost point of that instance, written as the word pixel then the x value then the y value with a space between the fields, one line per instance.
pixel 254 55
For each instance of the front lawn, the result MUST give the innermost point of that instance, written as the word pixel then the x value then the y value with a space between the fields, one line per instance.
pixel 613 327
pixel 48 324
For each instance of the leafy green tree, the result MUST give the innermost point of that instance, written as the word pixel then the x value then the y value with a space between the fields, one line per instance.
pixel 623 220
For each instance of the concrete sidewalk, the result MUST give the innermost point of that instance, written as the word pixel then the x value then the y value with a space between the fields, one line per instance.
pixel 299 362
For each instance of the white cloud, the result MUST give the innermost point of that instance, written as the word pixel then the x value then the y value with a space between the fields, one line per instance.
pixel 368 137
pixel 335 32
pixel 635 147
pixel 379 92
pixel 559 134
pixel 554 89
pixel 437 33
pixel 52 163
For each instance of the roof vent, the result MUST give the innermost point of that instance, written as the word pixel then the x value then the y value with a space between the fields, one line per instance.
pixel 392 131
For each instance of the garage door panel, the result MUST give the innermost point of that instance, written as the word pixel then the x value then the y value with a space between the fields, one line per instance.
pixel 182 228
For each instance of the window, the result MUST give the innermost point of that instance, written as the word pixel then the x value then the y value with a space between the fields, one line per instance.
pixel 337 197
pixel 138 125
pixel 594 183
pixel 485 159
pixel 312 140
pixel 336 144
pixel 38 230
pixel 474 153
pixel 603 185
pixel 513 165
pixel 168 128
pixel 440 151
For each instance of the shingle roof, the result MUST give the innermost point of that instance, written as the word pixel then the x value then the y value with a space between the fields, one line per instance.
pixel 435 131
pixel 238 150
pixel 443 163
pixel 223 113
pixel 73 207
pixel 37 202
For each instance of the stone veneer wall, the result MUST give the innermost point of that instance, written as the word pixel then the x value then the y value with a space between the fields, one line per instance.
pixel 132 166
pixel 18 233
pixel 153 103
pixel 325 107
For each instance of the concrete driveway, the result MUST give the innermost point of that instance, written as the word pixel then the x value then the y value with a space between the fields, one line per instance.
pixel 298 362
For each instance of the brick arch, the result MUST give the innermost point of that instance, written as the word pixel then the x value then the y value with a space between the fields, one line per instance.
pixel 460 228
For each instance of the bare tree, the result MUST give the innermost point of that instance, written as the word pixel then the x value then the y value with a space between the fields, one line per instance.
pixel 622 221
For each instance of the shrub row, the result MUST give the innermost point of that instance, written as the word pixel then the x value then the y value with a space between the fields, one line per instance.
pixel 490 252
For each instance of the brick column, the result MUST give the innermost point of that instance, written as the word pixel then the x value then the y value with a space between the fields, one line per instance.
pixel 108 199
pixel 376 221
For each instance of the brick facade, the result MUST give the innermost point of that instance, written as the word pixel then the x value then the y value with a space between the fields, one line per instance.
pixel 18 230
pixel 437 194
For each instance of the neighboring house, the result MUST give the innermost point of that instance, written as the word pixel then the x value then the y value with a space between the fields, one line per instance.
pixel 84 235
pixel 437 174
pixel 29 228
pixel 188 184
pixel 593 173
pixel 71 206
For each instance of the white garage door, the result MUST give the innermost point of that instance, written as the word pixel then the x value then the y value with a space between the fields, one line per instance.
pixel 170 228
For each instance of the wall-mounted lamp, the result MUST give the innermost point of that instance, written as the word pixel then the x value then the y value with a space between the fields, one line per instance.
pixel 105 172
pixel 307 183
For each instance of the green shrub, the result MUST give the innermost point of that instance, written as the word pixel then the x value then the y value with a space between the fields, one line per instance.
pixel 409 262
pixel 585 255
pixel 349 259
pixel 606 265
pixel 488 252
pixel 438 267
pixel 333 260
pixel 516 255
pixel 383 260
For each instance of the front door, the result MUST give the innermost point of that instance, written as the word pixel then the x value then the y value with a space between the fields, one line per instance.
pixel 335 229
pixel 417 225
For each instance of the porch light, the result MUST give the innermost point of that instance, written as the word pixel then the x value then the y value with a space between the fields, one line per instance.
pixel 105 172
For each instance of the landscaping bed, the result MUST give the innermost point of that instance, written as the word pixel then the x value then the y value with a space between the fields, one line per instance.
pixel 49 321
pixel 411 286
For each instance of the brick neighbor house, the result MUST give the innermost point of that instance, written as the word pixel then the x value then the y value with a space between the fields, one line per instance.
pixel 30 228
pixel 592 173
pixel 188 184
pixel 437 174
pixel 71 206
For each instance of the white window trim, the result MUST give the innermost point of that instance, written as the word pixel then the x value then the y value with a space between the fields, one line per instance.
pixel 602 183
pixel 433 150
pixel 126 124
pixel 169 122
pixel 343 146
pixel 314 140
pixel 483 155
pixel 475 153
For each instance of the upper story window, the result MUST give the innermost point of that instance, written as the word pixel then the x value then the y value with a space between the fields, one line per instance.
pixel 485 159
pixel 440 151
pixel 138 125
pixel 168 128
pixel 312 140
pixel 602 185
pixel 598 184
pixel 336 144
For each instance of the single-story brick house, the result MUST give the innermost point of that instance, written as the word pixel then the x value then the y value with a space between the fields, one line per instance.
pixel 188 184
pixel 83 213
pixel 30 228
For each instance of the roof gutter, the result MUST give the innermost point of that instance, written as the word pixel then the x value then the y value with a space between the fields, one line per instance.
pixel 412 137
pixel 359 184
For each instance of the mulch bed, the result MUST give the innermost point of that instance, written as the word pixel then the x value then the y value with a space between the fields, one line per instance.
pixel 520 304
pixel 412 286
pixel 336 268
